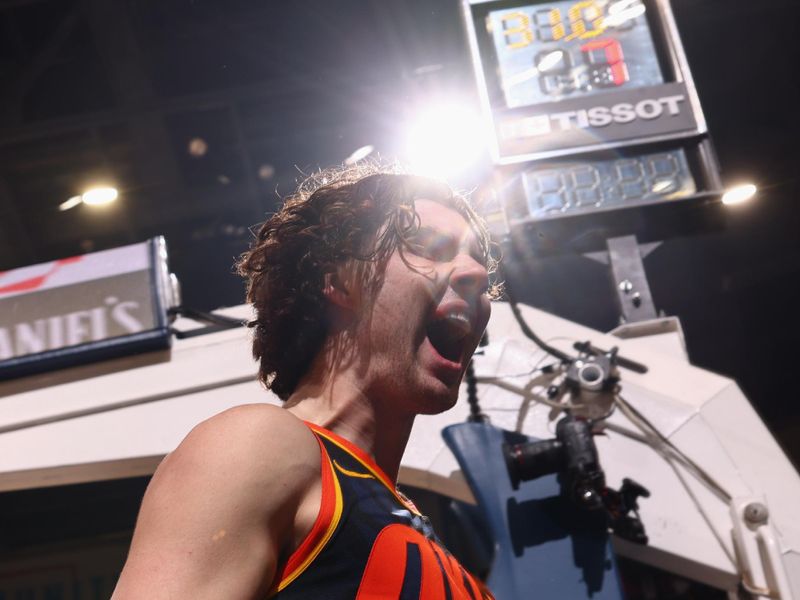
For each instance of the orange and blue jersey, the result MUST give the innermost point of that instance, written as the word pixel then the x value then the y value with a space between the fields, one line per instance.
pixel 369 542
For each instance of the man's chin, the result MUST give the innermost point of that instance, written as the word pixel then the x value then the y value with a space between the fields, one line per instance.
pixel 442 399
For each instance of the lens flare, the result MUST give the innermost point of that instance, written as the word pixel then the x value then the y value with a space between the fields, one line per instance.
pixel 445 140
pixel 71 203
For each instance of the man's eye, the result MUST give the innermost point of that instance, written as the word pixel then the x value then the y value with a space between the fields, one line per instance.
pixel 441 249
pixel 434 247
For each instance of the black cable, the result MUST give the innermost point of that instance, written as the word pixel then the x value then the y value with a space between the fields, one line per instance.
pixel 528 332
pixel 475 413
pixel 207 317
pixel 214 323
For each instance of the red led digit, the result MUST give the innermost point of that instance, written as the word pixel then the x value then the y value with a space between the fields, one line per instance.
pixel 614 58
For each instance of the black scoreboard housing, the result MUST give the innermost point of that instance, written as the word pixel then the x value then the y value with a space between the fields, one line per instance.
pixel 626 131
pixel 679 114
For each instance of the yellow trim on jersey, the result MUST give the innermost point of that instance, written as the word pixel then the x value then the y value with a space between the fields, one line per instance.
pixel 350 473
pixel 337 514
pixel 409 505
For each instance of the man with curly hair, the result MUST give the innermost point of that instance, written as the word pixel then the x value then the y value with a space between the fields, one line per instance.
pixel 371 291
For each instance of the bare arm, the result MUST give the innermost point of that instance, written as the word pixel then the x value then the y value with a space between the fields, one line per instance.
pixel 221 510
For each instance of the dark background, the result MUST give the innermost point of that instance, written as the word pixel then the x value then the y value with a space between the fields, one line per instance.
pixel 116 89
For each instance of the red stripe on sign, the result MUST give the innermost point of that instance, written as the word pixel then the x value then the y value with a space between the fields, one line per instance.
pixel 34 283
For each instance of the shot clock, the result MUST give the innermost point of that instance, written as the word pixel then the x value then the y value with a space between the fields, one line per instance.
pixel 591 104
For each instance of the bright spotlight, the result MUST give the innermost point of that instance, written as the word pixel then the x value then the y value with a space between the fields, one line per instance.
pixel 445 140
pixel 739 194
pixel 99 196
pixel 71 203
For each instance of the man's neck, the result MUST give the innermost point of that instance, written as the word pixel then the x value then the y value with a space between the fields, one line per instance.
pixel 340 403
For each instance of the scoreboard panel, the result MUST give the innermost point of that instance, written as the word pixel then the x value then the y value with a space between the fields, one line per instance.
pixel 549 52
pixel 572 76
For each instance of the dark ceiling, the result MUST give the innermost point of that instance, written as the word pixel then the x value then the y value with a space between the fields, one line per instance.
pixel 118 89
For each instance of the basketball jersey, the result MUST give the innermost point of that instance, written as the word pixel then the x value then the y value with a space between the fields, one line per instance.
pixel 369 542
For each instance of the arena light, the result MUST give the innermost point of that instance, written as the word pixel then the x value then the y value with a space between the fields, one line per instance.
pixel 739 194
pixel 96 196
pixel 99 196
pixel 197 147
pixel 444 140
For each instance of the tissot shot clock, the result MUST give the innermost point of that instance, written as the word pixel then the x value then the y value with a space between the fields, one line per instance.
pixel 570 76
pixel 591 104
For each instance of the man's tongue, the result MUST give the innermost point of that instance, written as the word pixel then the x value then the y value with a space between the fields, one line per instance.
pixel 446 340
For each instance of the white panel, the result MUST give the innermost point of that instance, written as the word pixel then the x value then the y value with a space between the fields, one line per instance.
pixel 116 436
pixel 758 458
pixel 195 364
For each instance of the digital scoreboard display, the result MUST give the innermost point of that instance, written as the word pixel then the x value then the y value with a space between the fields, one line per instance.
pixel 574 76
pixel 550 51
pixel 555 188
pixel 592 108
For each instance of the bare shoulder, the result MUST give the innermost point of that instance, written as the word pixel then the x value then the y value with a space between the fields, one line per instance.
pixel 257 431
pixel 247 445
pixel 271 424
pixel 221 508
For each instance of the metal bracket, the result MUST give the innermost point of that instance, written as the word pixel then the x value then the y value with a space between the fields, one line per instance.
pixel 630 280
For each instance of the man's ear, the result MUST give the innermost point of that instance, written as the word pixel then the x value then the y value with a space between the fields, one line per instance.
pixel 335 289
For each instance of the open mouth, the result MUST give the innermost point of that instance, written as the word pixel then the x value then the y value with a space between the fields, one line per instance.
pixel 449 336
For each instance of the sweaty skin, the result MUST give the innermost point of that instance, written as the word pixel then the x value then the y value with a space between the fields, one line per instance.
pixel 242 491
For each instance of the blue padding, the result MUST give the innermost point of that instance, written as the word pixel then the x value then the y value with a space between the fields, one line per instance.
pixel 544 547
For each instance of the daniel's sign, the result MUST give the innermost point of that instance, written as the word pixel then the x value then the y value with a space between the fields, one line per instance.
pixel 84 308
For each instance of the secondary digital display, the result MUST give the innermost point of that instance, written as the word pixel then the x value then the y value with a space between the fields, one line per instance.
pixel 551 51
pixel 554 189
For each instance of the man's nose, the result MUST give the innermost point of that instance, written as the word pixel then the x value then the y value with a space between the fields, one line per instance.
pixel 469 276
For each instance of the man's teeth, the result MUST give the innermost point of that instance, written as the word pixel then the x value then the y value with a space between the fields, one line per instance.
pixel 458 317
pixel 459 321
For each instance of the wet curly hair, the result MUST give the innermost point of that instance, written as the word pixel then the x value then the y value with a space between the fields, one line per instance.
pixel 359 213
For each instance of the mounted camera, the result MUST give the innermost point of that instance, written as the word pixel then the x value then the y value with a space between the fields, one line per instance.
pixel 573 456
pixel 592 380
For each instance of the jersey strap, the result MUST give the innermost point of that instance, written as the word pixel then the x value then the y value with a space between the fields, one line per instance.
pixel 330 512
pixel 366 461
